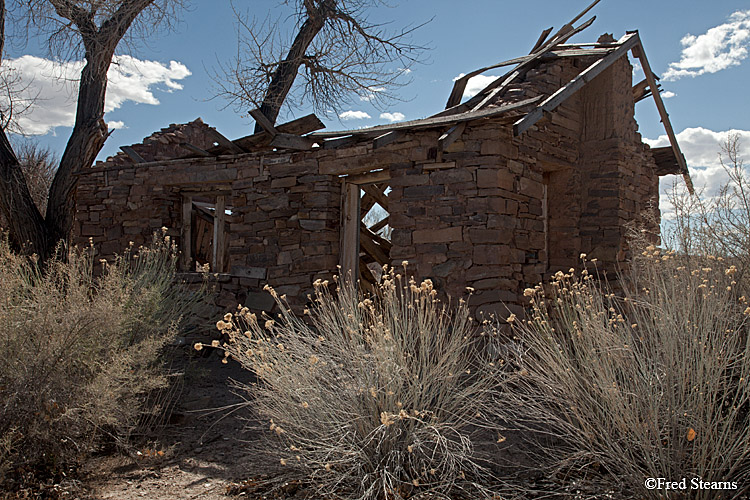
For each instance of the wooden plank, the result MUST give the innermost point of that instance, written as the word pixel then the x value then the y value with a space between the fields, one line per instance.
pixel 263 121
pixel 195 149
pixel 369 177
pixel 349 248
pixel 224 142
pixel 640 90
pixel 341 141
pixel 387 138
pixel 291 141
pixel 380 224
pixel 300 126
pixel 451 135
pixel 372 248
pixel 217 261
pixel 481 99
pixel 380 159
pixel 435 121
pixel 641 55
pixel 548 105
pixel 541 39
pixel 132 154
pixel 186 234
pixel 377 193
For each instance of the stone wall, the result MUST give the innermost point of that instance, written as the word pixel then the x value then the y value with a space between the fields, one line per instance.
pixel 493 212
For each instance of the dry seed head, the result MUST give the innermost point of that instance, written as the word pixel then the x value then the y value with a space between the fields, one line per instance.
pixel 215 343
pixel 198 346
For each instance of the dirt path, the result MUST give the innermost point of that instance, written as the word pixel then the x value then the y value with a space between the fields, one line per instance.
pixel 198 455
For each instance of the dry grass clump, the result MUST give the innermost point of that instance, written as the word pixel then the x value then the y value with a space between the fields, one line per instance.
pixel 82 353
pixel 373 397
pixel 650 384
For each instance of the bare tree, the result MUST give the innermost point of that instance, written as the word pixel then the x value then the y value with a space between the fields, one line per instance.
pixel 92 29
pixel 337 53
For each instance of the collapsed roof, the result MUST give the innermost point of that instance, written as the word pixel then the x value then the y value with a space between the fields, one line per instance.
pixel 507 97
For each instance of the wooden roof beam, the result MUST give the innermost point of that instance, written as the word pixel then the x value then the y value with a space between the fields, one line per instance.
pixel 132 154
pixel 650 77
pixel 626 43
pixel 263 121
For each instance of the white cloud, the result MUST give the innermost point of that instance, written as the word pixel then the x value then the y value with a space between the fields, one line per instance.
pixel 701 148
pixel 667 94
pixel 476 83
pixel 354 115
pixel 371 94
pixel 51 88
pixel 392 117
pixel 116 124
pixel 718 48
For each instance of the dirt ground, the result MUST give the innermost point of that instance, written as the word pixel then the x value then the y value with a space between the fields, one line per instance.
pixel 198 454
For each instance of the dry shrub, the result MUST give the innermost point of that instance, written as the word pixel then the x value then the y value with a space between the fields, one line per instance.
pixel 653 383
pixel 82 353
pixel 372 397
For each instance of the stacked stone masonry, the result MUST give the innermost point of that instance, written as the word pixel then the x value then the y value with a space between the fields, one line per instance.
pixel 493 212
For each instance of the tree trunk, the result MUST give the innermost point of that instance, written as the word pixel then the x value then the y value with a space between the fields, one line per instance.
pixel 283 77
pixel 86 140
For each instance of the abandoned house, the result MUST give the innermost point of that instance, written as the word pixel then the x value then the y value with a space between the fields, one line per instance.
pixel 491 193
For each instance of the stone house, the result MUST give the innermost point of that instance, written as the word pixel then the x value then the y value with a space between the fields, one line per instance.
pixel 492 193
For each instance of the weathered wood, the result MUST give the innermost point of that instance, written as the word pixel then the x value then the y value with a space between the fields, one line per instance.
pixel 387 138
pixel 541 39
pixel 186 234
pixel 370 177
pixel 380 224
pixel 360 164
pixel 436 121
pixel 377 192
pixel 195 149
pixel 223 142
pixel 132 154
pixel 641 90
pixel 290 141
pixel 300 126
pixel 451 135
pixel 641 55
pixel 438 166
pixel 548 105
pixel 349 248
pixel 263 122
pixel 341 141
pixel 372 248
pixel 217 262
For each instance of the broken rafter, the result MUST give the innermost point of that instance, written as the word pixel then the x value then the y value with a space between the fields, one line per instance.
pixel 300 126
pixel 650 77
pixel 380 224
pixel 291 141
pixel 195 149
pixel 624 45
pixel 433 121
pixel 263 122
pixel 223 142
pixel 132 154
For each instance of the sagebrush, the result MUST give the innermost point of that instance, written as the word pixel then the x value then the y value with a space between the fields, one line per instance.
pixel 370 397
pixel 651 382
pixel 82 353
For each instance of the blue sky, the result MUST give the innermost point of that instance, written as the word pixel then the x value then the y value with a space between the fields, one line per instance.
pixel 699 47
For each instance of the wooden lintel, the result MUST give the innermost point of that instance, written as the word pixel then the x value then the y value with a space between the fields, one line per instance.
pixel 264 122
pixel 438 166
pixel 387 138
pixel 132 154
pixel 552 102
pixel 224 142
pixel 369 177
pixel 195 149
pixel 641 55
pixel 291 141
pixel 381 159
